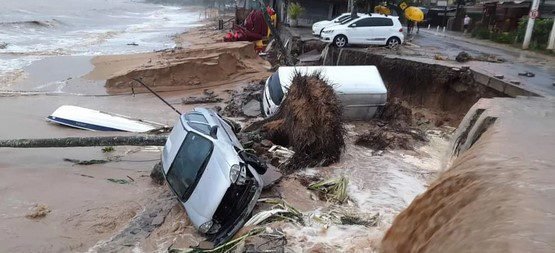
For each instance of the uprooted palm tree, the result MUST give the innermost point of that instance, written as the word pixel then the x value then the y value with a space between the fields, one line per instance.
pixel 309 121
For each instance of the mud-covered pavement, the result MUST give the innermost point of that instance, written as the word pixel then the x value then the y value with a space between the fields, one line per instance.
pixel 430 43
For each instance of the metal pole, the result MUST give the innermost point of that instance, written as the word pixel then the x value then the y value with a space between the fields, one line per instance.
pixel 445 17
pixel 551 44
pixel 156 94
pixel 530 27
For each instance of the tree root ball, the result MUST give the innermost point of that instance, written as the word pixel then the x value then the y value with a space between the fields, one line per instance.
pixel 308 121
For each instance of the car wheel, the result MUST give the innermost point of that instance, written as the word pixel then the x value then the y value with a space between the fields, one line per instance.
pixel 340 41
pixel 393 42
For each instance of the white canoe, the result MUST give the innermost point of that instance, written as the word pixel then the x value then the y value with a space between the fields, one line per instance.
pixel 93 120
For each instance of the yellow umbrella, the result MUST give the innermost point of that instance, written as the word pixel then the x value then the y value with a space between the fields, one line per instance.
pixel 382 10
pixel 414 14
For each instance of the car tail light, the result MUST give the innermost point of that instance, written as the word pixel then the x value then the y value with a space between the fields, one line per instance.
pixel 401 30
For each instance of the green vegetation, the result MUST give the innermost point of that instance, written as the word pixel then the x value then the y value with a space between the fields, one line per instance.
pixel 334 190
pixel 503 37
pixel 108 149
pixel 295 10
pixel 481 33
pixel 540 34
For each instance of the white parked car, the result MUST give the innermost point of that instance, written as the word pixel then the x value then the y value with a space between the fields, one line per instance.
pixel 320 25
pixel 360 89
pixel 213 177
pixel 376 29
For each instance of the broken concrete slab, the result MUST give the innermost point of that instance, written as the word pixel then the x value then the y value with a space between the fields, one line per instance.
pixel 252 108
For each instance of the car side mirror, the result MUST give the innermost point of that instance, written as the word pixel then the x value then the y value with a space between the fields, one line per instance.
pixel 353 25
pixel 214 132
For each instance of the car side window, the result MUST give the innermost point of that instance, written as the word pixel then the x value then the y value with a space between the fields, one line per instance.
pixel 382 22
pixel 367 22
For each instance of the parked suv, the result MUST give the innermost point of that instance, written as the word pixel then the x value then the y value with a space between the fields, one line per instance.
pixel 214 178
pixel 376 29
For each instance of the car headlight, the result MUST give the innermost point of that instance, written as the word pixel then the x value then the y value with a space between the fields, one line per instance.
pixel 234 173
pixel 327 31
pixel 205 227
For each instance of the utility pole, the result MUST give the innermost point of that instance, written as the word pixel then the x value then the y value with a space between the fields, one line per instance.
pixel 531 19
pixel 551 44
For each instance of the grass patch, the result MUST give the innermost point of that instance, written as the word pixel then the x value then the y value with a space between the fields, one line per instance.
pixel 108 149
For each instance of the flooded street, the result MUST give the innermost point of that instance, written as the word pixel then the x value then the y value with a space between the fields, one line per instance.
pixel 431 43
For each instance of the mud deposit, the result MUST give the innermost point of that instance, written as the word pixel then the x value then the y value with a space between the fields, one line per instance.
pixel 198 66
pixel 496 195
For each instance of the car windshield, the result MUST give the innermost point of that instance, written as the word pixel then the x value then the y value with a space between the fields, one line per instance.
pixel 346 20
pixel 274 87
pixel 189 164
pixel 341 18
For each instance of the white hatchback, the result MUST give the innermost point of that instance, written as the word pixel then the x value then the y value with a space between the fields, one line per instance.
pixel 376 29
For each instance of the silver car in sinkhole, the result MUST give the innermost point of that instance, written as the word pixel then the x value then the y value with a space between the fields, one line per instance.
pixel 215 179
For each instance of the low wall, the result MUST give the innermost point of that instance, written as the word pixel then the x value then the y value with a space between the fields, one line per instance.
pixel 498 194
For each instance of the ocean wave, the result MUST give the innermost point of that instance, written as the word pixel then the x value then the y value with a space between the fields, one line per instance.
pixel 32 23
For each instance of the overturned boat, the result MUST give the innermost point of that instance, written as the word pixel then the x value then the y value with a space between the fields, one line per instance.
pixel 83 118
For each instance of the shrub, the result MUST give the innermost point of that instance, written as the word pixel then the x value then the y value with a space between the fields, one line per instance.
pixel 295 10
pixel 481 33
pixel 504 37
pixel 540 33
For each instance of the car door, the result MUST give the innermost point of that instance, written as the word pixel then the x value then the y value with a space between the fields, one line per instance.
pixel 359 30
pixel 381 30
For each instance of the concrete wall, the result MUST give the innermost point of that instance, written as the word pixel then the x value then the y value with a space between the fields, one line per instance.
pixel 497 195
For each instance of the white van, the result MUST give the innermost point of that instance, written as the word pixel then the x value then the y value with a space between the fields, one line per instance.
pixel 360 88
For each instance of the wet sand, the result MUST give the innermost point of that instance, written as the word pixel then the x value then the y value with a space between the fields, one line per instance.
pixel 83 205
